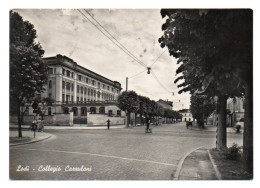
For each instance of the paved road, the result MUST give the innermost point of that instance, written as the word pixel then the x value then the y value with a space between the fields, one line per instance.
pixel 119 154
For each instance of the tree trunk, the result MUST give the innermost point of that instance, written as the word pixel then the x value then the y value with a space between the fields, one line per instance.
pixel 19 121
pixel 248 130
pixel 141 119
pixel 128 119
pixel 222 129
pixel 135 118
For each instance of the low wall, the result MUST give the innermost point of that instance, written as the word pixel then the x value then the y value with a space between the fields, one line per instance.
pixel 56 119
pixel 101 119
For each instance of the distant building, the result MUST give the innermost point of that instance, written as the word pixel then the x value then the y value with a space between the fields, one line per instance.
pixel 186 115
pixel 165 104
pixel 235 110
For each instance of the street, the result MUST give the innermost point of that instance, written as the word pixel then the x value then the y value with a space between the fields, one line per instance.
pixel 116 154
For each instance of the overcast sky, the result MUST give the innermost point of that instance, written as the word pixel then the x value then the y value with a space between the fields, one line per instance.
pixel 68 33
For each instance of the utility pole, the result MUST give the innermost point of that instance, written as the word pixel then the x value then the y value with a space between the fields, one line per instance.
pixel 126 83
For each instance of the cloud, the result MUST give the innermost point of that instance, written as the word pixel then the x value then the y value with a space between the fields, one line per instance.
pixel 67 32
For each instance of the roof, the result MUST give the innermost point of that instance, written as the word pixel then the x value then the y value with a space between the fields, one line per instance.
pixel 184 111
pixel 59 60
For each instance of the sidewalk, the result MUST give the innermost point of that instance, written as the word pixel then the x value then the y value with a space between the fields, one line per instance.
pixel 211 128
pixel 28 137
pixel 75 127
pixel 197 166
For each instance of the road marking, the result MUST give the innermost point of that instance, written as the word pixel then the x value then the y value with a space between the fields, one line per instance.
pixel 99 155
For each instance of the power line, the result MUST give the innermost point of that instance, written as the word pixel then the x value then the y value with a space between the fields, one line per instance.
pixel 111 39
pixel 158 58
pixel 155 77
pixel 137 73
pixel 114 37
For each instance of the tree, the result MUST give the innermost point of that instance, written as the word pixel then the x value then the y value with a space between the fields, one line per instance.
pixel 28 73
pixel 144 107
pixel 128 101
pixel 214 48
pixel 201 107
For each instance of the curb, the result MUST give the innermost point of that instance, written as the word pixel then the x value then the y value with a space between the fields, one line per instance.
pixel 30 142
pixel 213 131
pixel 178 171
pixel 214 166
pixel 78 128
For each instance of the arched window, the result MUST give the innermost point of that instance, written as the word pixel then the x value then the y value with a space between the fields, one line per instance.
pixel 66 110
pixel 102 110
pixel 83 111
pixel 98 94
pixel 75 111
pixel 94 93
pixel 91 92
pixel 50 84
pixel 88 91
pixel 93 110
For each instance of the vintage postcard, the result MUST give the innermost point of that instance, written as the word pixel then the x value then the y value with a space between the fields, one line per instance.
pixel 131 94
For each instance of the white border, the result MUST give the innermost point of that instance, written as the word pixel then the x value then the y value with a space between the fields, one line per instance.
pixel 6 5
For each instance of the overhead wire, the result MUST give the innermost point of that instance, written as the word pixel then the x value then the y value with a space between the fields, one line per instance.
pixel 157 58
pixel 137 74
pixel 124 49
pixel 114 37
pixel 133 57
pixel 155 77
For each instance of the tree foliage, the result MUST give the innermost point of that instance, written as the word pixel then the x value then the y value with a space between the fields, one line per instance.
pixel 214 50
pixel 201 107
pixel 128 100
pixel 28 73
pixel 211 47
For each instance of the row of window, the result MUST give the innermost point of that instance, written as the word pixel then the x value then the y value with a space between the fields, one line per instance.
pixel 81 78
pixel 85 79
pixel 81 99
pixel 81 89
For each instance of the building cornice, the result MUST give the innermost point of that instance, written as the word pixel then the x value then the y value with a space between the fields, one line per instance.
pixel 69 63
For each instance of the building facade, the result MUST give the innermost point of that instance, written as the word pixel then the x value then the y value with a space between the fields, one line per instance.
pixel 71 83
pixel 76 89
pixel 235 109
pixel 186 115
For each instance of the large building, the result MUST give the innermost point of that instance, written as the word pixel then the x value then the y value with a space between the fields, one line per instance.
pixel 71 83
pixel 74 88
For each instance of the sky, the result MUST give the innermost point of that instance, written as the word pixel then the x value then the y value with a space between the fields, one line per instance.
pixel 68 32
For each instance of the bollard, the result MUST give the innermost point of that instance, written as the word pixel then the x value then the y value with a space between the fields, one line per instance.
pixel 108 124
